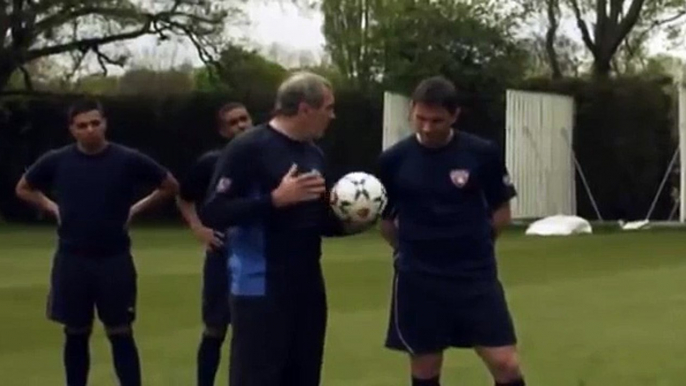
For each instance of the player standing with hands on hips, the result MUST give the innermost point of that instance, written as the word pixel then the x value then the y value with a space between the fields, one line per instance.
pixel 270 185
pixel 448 199
pixel 95 182
pixel 233 118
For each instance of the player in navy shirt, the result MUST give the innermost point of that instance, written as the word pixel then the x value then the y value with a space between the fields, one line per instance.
pixel 90 187
pixel 233 118
pixel 271 187
pixel 449 195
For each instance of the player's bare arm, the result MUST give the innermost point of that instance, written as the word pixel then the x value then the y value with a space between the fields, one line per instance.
pixel 502 217
pixel 167 189
pixel 190 214
pixel 389 231
pixel 35 197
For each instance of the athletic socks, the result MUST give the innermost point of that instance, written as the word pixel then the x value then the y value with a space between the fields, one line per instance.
pixel 519 382
pixel 426 382
pixel 126 361
pixel 209 355
pixel 77 359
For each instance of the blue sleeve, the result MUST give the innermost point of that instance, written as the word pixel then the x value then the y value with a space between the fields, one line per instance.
pixel 40 175
pixel 233 197
pixel 386 178
pixel 195 183
pixel 146 170
pixel 496 183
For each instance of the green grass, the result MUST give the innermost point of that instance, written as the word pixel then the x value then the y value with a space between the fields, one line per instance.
pixel 602 310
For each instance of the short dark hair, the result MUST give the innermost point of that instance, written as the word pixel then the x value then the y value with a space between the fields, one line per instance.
pixel 83 106
pixel 437 91
pixel 226 108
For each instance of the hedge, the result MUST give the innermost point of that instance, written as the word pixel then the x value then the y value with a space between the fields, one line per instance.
pixel 624 136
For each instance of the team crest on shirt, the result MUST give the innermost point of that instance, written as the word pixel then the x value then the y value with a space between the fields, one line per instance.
pixel 459 177
pixel 223 185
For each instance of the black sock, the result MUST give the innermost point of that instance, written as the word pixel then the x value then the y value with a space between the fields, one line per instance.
pixel 126 362
pixel 426 382
pixel 77 359
pixel 209 354
pixel 519 382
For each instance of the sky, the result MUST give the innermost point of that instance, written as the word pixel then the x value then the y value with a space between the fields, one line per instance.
pixel 277 22
pixel 270 23
pixel 287 25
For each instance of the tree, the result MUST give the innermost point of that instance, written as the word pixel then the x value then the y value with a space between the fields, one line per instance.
pixel 31 29
pixel 469 43
pixel 615 21
pixel 241 71
pixel 348 29
pixel 400 41
pixel 145 81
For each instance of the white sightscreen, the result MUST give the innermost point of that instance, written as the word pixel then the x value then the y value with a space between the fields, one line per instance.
pixel 396 110
pixel 539 155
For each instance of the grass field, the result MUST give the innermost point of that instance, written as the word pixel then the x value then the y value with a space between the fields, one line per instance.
pixel 605 310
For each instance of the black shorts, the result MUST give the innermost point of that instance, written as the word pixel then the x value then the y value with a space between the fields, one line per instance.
pixel 80 284
pixel 278 339
pixel 430 314
pixel 215 290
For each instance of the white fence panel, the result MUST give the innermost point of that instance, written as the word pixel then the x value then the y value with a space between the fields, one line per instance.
pixel 539 153
pixel 396 110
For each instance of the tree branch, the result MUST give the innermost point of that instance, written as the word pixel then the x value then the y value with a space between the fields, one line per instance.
pixel 628 22
pixel 583 28
pixel 28 83
pixel 89 43
pixel 616 7
pixel 16 26
pixel 65 16
pixel 552 10
pixel 104 59
pixel 601 17
pixel 4 25
pixel 658 23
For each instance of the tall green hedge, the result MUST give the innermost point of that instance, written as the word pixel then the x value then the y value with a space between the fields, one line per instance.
pixel 624 136
pixel 174 130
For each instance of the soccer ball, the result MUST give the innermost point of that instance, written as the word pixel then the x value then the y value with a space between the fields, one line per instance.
pixel 358 197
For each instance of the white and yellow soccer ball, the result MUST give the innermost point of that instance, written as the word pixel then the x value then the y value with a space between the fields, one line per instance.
pixel 358 197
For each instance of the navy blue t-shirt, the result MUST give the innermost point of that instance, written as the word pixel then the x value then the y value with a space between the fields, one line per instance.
pixel 269 245
pixel 444 199
pixel 94 194
pixel 193 187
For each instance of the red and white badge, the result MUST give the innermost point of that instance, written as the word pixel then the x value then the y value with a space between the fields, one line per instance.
pixel 223 185
pixel 459 177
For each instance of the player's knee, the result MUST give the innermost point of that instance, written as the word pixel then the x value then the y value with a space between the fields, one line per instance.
pixel 426 366
pixel 71 330
pixel 506 367
pixel 119 330
pixel 217 332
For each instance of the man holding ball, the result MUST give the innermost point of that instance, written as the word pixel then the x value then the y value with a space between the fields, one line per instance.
pixel 448 199
pixel 270 187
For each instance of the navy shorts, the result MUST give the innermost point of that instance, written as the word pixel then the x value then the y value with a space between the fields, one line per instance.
pixel 81 284
pixel 278 339
pixel 215 290
pixel 430 314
